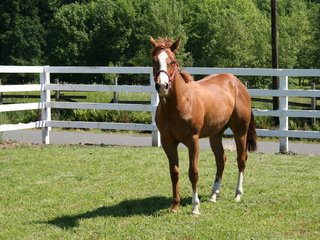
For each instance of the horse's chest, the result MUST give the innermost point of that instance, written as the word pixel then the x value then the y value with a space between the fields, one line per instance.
pixel 179 126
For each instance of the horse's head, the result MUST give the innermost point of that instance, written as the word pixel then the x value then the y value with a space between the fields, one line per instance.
pixel 164 63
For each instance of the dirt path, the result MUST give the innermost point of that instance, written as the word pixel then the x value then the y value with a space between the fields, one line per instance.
pixel 82 137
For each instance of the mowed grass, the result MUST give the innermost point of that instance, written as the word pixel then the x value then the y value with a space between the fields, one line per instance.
pixel 106 192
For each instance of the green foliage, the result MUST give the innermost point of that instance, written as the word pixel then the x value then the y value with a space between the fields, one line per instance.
pixel 69 35
pixel 214 33
pixel 96 192
pixel 22 36
pixel 16 117
pixel 314 54
pixel 159 19
pixel 295 34
pixel 110 116
pixel 227 34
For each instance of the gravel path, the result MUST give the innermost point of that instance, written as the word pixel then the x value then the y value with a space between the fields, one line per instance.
pixel 82 137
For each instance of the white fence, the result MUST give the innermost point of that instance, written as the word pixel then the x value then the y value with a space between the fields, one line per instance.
pixel 45 104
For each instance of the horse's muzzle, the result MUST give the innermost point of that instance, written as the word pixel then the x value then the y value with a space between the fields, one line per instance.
pixel 162 89
pixel 158 87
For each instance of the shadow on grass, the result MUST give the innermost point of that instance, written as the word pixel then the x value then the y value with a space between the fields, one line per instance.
pixel 147 206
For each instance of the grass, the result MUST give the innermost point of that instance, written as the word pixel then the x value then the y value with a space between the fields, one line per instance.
pixel 104 192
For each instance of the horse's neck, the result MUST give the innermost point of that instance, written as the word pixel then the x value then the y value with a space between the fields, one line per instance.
pixel 179 94
pixel 179 86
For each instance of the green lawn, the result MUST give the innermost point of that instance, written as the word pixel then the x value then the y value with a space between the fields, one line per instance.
pixel 104 192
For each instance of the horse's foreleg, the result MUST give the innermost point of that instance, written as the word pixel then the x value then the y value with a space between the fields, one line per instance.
pixel 217 148
pixel 172 154
pixel 174 174
pixel 193 174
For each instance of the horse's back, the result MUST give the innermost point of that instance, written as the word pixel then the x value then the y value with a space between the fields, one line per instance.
pixel 219 87
pixel 219 79
pixel 226 98
pixel 226 82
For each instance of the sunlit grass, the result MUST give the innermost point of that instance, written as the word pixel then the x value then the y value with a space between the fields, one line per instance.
pixel 104 192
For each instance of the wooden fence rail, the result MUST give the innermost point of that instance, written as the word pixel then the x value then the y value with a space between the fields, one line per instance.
pixel 45 105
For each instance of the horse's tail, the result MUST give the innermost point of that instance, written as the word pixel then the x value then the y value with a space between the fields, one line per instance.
pixel 252 135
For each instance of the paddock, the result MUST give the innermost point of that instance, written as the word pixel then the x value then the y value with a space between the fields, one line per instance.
pixel 104 192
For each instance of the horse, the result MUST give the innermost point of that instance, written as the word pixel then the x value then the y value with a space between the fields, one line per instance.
pixel 189 110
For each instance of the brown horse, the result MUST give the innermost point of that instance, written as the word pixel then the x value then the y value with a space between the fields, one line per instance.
pixel 189 110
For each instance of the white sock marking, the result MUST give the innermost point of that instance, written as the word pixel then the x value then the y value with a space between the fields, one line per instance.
pixel 215 190
pixel 216 186
pixel 195 204
pixel 239 190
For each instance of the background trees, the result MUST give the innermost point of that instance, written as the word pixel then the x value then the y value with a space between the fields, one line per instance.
pixel 214 33
pixel 228 34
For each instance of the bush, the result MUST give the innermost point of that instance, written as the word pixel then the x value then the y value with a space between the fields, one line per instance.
pixel 111 116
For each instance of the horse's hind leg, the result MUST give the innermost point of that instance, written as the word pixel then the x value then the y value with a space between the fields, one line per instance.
pixel 241 159
pixel 217 148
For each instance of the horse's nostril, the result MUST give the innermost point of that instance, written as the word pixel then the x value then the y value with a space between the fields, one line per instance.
pixel 158 87
pixel 167 85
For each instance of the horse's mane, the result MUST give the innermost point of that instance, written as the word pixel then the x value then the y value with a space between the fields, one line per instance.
pixel 186 77
pixel 162 43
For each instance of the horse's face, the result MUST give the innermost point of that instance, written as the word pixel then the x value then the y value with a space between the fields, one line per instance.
pixel 164 65
pixel 162 70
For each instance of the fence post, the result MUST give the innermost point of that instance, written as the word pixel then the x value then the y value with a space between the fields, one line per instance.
pixel 1 101
pixel 283 119
pixel 57 92
pixel 154 103
pixel 313 103
pixel 46 110
pixel 115 94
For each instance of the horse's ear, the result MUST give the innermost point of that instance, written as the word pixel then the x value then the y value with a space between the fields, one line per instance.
pixel 152 41
pixel 174 47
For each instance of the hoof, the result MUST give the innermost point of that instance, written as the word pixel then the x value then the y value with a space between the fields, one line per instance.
pixel 194 213
pixel 213 198
pixel 195 210
pixel 174 209
pixel 237 198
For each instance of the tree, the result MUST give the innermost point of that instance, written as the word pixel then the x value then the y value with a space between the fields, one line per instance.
pixel 96 33
pixel 69 35
pixel 294 32
pixel 275 55
pixel 162 18
pixel 215 33
pixel 312 54
pixel 112 27
pixel 228 34
pixel 22 36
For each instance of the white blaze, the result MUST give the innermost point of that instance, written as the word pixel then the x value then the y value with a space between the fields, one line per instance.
pixel 164 79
